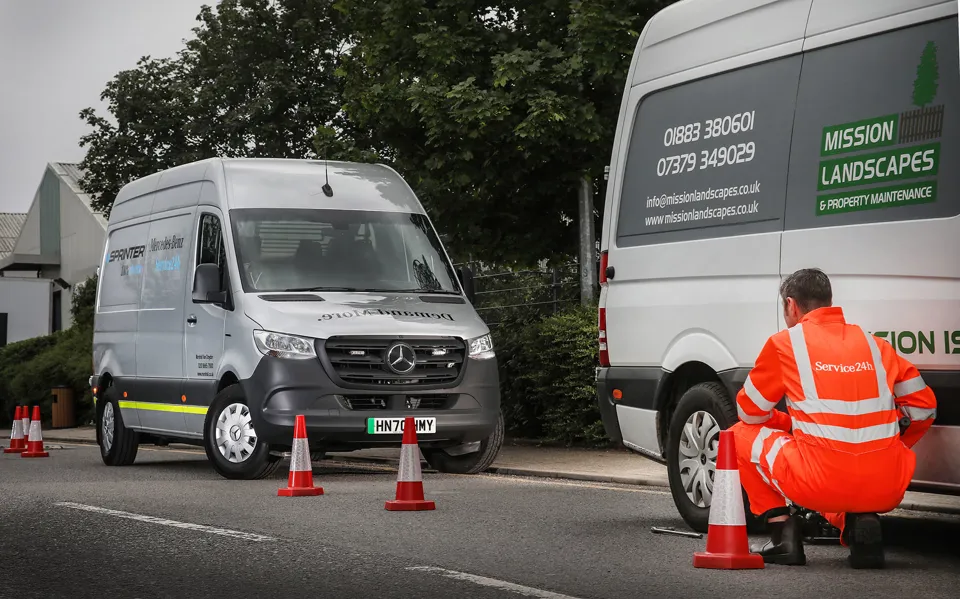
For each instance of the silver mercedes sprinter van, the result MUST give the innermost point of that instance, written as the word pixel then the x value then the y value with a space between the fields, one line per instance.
pixel 235 294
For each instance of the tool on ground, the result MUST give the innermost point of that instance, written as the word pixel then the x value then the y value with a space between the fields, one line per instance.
pixel 300 480
pixel 410 478
pixel 727 545
pixel 669 530
pixel 17 444
pixel 35 441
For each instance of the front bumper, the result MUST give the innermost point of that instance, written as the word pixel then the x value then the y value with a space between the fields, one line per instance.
pixel 280 389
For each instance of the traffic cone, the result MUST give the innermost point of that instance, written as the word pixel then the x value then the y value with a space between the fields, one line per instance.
pixel 727 545
pixel 25 423
pixel 35 442
pixel 16 434
pixel 410 478
pixel 300 482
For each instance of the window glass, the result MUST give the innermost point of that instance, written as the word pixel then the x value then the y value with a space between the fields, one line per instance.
pixel 709 158
pixel 878 130
pixel 211 250
pixel 294 249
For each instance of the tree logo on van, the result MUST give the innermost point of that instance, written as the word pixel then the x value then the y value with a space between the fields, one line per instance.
pixel 928 77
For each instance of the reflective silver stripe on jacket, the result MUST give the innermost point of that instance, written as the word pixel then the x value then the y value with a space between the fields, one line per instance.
pixel 909 386
pixel 917 414
pixel 751 419
pixel 757 449
pixel 756 397
pixel 813 404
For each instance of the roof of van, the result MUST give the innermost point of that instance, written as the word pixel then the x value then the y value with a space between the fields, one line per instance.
pixel 291 183
pixel 693 33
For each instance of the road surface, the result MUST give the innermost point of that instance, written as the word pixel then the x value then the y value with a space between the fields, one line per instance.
pixel 169 526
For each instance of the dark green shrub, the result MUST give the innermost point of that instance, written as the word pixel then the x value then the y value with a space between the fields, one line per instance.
pixel 547 370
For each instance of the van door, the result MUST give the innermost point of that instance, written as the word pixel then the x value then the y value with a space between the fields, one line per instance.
pixel 160 334
pixel 203 337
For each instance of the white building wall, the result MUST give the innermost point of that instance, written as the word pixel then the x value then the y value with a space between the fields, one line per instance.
pixel 27 305
pixel 81 245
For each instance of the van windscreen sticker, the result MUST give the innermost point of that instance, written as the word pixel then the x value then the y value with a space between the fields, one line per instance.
pixel 394 313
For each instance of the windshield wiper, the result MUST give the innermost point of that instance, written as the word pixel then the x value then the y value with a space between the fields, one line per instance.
pixel 436 291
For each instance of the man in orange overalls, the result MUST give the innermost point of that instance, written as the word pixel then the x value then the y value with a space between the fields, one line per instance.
pixel 838 449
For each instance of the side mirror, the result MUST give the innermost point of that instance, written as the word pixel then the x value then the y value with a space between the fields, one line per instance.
pixel 206 285
pixel 466 281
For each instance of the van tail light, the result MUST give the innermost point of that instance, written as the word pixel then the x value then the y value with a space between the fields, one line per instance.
pixel 604 354
pixel 603 267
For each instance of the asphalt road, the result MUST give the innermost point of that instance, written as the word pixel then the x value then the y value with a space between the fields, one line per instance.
pixel 168 526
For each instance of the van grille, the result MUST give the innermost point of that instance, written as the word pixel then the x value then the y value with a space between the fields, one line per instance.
pixel 362 360
pixel 409 402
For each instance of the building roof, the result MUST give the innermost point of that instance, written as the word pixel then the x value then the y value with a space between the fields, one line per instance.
pixel 10 225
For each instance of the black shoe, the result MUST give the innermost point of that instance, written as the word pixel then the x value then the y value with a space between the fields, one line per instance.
pixel 862 534
pixel 785 546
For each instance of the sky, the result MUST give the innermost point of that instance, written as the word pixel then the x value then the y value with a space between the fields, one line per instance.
pixel 56 56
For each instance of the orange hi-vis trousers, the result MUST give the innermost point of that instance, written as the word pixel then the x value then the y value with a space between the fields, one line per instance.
pixel 776 469
pixel 838 448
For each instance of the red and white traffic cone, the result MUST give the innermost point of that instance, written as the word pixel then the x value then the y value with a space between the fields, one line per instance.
pixel 25 423
pixel 17 443
pixel 410 478
pixel 727 543
pixel 35 441
pixel 300 481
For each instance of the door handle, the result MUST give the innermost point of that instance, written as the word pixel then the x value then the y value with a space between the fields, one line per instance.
pixel 191 320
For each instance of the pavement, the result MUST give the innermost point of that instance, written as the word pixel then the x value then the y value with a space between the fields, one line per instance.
pixel 169 526
pixel 525 459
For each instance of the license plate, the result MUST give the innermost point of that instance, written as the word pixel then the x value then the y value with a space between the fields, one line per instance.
pixel 394 426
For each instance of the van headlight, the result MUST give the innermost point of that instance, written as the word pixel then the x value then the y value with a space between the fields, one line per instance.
pixel 278 345
pixel 481 348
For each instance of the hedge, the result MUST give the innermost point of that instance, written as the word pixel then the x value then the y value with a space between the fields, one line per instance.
pixel 547 373
pixel 30 369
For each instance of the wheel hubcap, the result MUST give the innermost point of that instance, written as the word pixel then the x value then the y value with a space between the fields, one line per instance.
pixel 698 457
pixel 236 438
pixel 106 427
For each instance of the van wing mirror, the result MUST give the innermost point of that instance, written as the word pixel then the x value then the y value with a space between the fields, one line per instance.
pixel 467 282
pixel 206 285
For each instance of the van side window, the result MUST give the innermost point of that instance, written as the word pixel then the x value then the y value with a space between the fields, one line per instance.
pixel 876 130
pixel 709 158
pixel 210 249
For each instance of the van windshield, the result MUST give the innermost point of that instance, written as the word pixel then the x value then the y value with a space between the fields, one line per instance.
pixel 339 250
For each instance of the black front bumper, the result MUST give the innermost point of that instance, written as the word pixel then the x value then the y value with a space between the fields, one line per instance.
pixel 281 389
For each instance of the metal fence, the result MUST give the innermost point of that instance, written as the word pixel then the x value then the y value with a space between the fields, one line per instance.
pixel 525 293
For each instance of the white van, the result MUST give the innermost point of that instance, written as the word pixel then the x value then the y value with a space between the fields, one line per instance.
pixel 755 138
pixel 236 294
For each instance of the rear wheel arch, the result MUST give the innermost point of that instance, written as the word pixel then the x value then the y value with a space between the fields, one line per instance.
pixel 671 389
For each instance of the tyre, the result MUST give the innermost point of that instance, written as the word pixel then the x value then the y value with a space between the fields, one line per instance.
pixel 118 444
pixel 442 460
pixel 692 443
pixel 230 441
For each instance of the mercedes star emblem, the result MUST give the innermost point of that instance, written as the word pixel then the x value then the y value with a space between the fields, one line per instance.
pixel 401 358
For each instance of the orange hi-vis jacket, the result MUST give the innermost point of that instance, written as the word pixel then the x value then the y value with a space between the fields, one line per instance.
pixel 844 391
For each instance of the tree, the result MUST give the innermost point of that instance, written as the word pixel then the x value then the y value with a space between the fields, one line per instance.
pixel 493 110
pixel 258 79
pixel 928 77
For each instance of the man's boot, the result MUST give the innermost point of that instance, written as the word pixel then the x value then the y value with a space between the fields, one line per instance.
pixel 862 534
pixel 785 546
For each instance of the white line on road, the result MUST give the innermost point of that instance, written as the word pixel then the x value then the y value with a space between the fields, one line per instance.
pixel 247 536
pixel 491 582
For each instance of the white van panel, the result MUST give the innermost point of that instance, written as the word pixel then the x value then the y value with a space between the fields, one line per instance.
pixel 856 18
pixel 686 35
pixel 639 429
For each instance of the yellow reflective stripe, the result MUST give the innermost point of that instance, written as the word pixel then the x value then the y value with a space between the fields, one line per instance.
pixel 163 407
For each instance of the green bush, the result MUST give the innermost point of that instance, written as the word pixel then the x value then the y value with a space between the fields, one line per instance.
pixel 30 369
pixel 547 370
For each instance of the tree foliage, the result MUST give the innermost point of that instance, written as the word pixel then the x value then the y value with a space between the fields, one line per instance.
pixel 257 79
pixel 928 77
pixel 494 110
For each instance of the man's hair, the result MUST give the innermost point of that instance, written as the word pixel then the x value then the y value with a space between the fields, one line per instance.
pixel 809 287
